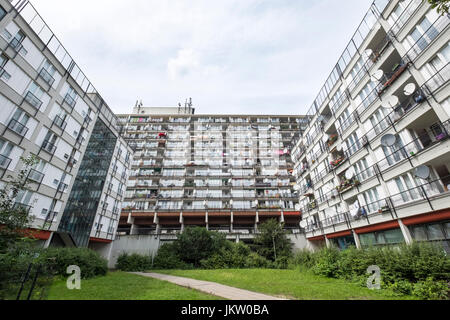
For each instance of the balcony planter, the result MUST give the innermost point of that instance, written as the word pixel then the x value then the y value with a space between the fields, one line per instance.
pixel 383 209
pixel 336 163
pixel 440 137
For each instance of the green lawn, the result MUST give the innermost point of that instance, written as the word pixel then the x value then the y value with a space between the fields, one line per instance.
pixel 292 284
pixel 124 286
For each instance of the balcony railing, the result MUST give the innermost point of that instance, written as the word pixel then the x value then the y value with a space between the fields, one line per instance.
pixel 4 75
pixel 59 122
pixel 404 16
pixel 35 176
pixel 62 187
pixel 46 76
pixel 438 79
pixel 430 34
pixel 351 119
pixel 21 206
pixel 49 147
pixel 17 46
pixel 4 162
pixel 360 75
pixel 33 100
pixel 423 192
pixel 17 127
pixel 414 147
pixel 69 100
pixel 380 48
pixel 389 78
pixel 355 147
pixel 336 106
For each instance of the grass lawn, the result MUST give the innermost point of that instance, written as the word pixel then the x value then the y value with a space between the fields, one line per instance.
pixel 124 286
pixel 291 284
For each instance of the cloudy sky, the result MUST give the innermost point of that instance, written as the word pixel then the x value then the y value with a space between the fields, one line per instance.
pixel 230 56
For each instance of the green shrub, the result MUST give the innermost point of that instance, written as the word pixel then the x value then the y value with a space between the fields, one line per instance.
pixel 431 289
pixel 235 256
pixel 90 262
pixel 168 258
pixel 304 258
pixel 327 263
pixel 133 262
pixel 401 287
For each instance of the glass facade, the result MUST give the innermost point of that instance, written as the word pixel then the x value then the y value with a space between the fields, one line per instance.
pixel 387 237
pixel 85 197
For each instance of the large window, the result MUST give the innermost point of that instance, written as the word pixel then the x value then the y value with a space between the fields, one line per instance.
pixel 2 13
pixel 439 232
pixel 388 237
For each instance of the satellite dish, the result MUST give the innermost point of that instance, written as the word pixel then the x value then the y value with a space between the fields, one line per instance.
pixel 303 224
pixel 377 75
pixel 326 137
pixel 339 147
pixel 391 102
pixel 423 172
pixel 368 52
pixel 350 174
pixel 296 187
pixel 297 207
pixel 409 89
pixel 388 140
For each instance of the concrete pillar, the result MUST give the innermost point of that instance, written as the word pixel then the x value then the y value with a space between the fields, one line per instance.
pixel 357 242
pixel 48 241
pixel 282 217
pixel 406 233
pixel 256 222
pixel 231 224
pixel 328 242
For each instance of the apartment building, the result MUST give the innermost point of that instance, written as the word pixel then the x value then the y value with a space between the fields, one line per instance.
pixel 51 110
pixel 372 167
pixel 224 172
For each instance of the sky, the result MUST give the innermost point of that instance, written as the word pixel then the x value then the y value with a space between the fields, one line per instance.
pixel 229 56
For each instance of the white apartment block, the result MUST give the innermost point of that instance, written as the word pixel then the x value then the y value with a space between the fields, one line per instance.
pixel 48 108
pixel 373 166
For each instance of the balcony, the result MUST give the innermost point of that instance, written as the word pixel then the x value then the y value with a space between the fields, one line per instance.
pixel 33 100
pixel 22 207
pixel 405 15
pixel 347 185
pixel 49 147
pixel 438 80
pixel 17 46
pixel 35 176
pixel 389 78
pixel 4 162
pixel 380 48
pixel 358 145
pixel 62 187
pixel 69 100
pixel 4 75
pixel 338 162
pixel 59 122
pixel 17 128
pixel 46 76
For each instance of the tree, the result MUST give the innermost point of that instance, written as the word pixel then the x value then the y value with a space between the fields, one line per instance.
pixel 14 218
pixel 442 6
pixel 196 244
pixel 272 241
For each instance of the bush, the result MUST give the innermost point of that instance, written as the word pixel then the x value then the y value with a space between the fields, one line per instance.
pixel 235 256
pixel 168 258
pixel 327 263
pixel 304 258
pixel 133 262
pixel 431 289
pixel 89 261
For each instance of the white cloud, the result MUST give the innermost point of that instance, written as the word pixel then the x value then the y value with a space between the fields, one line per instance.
pixel 252 56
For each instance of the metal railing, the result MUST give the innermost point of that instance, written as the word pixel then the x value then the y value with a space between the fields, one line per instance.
pixel 438 79
pixel 18 127
pixel 49 147
pixel 46 76
pixel 33 100
pixel 59 122
pixel 389 78
pixel 4 162
pixel 68 99
pixel 35 176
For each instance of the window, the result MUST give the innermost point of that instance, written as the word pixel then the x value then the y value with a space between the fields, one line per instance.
pixel 388 237
pixel 2 12
pixel 3 74
pixel 362 170
pixel 372 200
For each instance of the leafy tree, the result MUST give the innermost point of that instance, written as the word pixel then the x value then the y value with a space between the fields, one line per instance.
pixel 272 241
pixel 442 6
pixel 196 244
pixel 14 218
